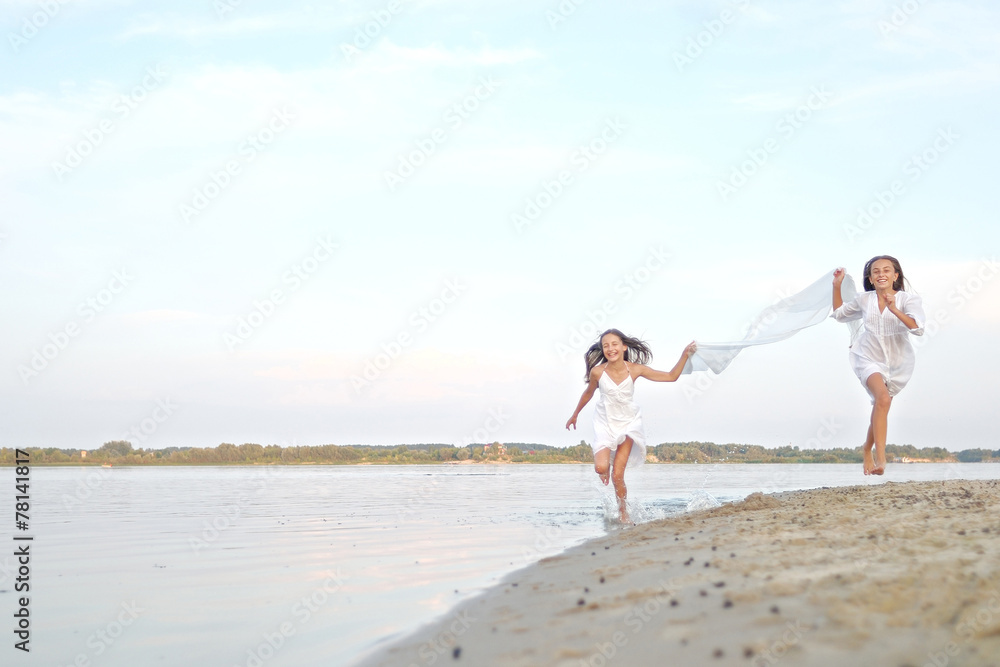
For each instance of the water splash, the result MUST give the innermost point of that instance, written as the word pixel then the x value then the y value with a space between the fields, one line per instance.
pixel 640 510
pixel 702 500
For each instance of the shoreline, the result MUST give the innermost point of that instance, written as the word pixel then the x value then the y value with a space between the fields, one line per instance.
pixel 897 574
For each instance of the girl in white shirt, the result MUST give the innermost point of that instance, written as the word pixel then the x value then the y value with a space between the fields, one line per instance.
pixel 881 356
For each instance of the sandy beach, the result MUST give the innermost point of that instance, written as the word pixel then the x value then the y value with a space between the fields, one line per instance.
pixel 898 574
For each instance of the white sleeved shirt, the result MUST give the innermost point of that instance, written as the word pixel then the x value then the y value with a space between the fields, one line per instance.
pixel 883 345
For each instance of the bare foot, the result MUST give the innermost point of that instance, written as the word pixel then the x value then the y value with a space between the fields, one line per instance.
pixel 605 477
pixel 869 463
pixel 623 512
pixel 879 468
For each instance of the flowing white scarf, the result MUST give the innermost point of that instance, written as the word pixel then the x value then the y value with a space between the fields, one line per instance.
pixel 778 322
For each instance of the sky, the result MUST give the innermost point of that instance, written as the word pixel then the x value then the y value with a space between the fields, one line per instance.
pixel 404 221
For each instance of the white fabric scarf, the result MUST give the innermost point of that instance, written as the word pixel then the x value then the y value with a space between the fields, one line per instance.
pixel 778 322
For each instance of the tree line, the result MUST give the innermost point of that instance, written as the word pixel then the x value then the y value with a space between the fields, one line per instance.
pixel 120 452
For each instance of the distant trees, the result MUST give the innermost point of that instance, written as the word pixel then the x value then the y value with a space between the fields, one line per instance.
pixel 973 455
pixel 116 448
pixel 121 452
pixel 708 452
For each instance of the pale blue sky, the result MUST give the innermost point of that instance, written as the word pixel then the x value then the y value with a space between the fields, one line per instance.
pixel 884 99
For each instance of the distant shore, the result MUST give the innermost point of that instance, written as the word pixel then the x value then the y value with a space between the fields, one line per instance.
pixel 899 574
pixel 170 464
pixel 121 452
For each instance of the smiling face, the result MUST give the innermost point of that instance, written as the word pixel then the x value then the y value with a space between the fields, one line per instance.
pixel 883 275
pixel 613 347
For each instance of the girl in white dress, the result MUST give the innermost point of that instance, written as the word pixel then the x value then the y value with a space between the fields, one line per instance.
pixel 881 356
pixel 614 362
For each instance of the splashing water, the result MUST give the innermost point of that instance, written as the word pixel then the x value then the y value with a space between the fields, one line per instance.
pixel 702 500
pixel 640 510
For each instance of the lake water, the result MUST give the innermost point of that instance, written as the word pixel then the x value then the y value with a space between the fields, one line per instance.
pixel 319 565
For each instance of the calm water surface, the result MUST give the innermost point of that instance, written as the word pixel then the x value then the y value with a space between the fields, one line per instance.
pixel 317 565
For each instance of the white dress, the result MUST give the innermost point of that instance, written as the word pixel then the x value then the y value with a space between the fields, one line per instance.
pixel 883 344
pixel 617 417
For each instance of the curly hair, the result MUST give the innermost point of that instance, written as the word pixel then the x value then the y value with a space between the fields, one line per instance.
pixel 636 351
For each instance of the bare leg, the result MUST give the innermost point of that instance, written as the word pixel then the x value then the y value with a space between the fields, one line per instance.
pixel 618 477
pixel 869 463
pixel 880 420
pixel 602 464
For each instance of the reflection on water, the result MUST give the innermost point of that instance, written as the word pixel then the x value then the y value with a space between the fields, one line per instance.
pixel 316 565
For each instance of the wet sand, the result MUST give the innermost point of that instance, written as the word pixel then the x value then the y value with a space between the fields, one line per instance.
pixel 897 574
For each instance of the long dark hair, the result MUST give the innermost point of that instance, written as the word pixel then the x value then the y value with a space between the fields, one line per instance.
pixel 636 351
pixel 896 286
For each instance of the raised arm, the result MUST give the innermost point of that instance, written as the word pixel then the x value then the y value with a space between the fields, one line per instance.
pixel 673 373
pixel 844 311
pixel 588 393
pixel 838 280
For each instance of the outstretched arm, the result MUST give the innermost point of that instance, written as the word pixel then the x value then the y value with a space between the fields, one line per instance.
pixel 673 373
pixel 588 394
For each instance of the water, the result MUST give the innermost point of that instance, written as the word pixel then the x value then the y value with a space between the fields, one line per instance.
pixel 313 565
